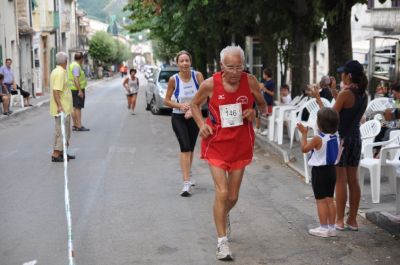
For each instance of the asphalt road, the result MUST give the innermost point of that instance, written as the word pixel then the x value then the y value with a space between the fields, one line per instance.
pixel 126 208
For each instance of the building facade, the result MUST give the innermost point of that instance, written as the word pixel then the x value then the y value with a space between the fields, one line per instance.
pixel 9 35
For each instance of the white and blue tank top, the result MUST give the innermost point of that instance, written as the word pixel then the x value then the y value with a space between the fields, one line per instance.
pixel 328 154
pixel 185 91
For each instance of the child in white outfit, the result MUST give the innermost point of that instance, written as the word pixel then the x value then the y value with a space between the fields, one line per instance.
pixel 324 149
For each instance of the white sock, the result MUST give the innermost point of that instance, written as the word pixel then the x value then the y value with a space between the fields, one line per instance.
pixel 220 239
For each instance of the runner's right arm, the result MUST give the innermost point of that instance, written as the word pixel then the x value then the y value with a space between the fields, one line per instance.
pixel 205 91
pixel 255 90
pixel 168 101
pixel 125 85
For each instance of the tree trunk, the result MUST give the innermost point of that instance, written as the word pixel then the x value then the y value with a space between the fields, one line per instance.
pixel 201 61
pixel 269 52
pixel 339 41
pixel 300 60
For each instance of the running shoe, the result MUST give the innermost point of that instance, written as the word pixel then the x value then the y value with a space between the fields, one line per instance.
pixel 223 251
pixel 319 231
pixel 228 227
pixel 186 189
pixel 332 231
pixel 192 182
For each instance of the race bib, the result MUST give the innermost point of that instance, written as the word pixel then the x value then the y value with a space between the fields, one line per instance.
pixel 231 115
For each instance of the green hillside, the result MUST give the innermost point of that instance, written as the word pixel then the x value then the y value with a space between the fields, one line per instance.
pixel 101 9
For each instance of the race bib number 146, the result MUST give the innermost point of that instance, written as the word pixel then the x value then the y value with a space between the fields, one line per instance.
pixel 231 115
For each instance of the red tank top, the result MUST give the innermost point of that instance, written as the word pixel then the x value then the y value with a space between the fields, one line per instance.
pixel 233 143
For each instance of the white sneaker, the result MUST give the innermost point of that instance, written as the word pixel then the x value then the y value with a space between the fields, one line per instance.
pixel 228 227
pixel 186 189
pixel 223 251
pixel 192 182
pixel 265 132
pixel 332 231
pixel 319 231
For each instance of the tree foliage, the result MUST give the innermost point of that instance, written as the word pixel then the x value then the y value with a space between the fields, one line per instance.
pixel 286 29
pixel 102 47
pixel 196 26
pixel 122 52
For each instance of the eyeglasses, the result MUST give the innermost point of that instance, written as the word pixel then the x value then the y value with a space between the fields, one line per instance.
pixel 231 68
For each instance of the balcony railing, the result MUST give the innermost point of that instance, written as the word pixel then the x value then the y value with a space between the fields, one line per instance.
pixel 66 21
pixel 83 40
pixel 386 19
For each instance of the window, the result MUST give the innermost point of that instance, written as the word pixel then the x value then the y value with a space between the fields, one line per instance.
pixel 371 4
pixel 395 3
pixel 34 4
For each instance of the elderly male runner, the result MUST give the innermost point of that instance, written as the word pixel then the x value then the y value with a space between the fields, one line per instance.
pixel 228 136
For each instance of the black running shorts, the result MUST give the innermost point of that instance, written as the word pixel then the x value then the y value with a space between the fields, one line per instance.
pixel 186 131
pixel 323 180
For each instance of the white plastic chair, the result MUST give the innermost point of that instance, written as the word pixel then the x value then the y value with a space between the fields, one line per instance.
pixel 312 107
pixel 17 97
pixel 295 100
pixel 368 131
pixel 280 119
pixel 397 191
pixel 388 158
pixel 274 115
pixel 307 174
pixel 377 105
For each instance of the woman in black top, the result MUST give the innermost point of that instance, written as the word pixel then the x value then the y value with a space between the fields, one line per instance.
pixel 350 103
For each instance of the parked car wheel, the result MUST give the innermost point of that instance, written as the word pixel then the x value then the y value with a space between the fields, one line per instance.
pixel 147 106
pixel 153 107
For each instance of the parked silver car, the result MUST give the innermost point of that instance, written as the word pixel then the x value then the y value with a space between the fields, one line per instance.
pixel 157 88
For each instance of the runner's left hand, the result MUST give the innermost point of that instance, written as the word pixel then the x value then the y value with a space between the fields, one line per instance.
pixel 249 114
pixel 188 114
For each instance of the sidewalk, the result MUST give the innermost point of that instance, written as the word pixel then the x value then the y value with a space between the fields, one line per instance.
pixel 382 214
pixel 37 102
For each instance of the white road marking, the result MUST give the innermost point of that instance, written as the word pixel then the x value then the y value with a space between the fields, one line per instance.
pixel 33 262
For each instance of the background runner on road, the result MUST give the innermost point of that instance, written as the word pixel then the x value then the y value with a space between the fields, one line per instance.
pixel 183 86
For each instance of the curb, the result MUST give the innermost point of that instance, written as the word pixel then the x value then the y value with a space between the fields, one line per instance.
pixel 385 220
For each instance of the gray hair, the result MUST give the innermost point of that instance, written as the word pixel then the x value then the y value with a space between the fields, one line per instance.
pixel 232 49
pixel 61 58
